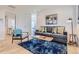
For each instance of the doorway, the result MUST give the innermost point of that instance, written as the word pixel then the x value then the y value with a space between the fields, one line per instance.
pixel 10 23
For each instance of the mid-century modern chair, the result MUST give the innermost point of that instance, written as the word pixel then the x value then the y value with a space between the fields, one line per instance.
pixel 17 34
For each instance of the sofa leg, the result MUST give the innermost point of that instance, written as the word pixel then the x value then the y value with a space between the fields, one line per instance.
pixel 21 40
pixel 28 37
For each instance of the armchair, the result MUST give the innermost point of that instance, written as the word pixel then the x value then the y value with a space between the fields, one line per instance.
pixel 17 34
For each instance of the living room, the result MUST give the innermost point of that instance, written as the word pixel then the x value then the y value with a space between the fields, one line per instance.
pixel 39 18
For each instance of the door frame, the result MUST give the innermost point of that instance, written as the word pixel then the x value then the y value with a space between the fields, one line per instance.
pixel 6 21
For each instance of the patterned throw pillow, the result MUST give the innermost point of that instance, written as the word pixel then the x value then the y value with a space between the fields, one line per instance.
pixel 54 30
pixel 60 30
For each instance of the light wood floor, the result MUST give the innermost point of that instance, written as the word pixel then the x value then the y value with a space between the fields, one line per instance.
pixel 6 47
pixel 73 49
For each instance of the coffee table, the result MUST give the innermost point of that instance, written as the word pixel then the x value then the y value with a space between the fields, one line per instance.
pixel 43 37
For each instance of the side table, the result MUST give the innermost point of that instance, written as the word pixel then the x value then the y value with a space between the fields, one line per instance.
pixel 73 39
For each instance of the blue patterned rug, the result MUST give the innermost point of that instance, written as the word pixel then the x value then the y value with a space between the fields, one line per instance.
pixel 44 47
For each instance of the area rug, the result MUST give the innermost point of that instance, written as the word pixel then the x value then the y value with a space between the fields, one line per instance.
pixel 44 47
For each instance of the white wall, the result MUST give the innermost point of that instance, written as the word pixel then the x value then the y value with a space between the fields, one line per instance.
pixel 64 12
pixel 77 15
pixel 2 24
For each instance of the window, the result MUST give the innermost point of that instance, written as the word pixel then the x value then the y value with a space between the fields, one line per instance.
pixel 33 23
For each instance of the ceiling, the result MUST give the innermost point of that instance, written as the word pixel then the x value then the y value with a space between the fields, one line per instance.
pixel 38 7
pixel 31 8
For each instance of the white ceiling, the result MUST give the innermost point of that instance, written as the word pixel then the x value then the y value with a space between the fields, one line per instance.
pixel 2 7
pixel 38 8
pixel 31 8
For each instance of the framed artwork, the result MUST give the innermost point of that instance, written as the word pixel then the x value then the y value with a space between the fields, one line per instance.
pixel 51 19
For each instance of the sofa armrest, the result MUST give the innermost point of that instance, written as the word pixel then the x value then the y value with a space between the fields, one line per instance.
pixel 65 33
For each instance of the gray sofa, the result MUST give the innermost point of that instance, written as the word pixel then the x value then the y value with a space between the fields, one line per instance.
pixel 58 37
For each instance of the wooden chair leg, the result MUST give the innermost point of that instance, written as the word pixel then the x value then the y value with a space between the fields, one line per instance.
pixel 28 37
pixel 21 40
pixel 69 38
pixel 12 41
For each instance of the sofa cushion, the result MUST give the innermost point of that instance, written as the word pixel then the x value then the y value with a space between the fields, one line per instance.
pixel 60 39
pixel 60 30
pixel 54 30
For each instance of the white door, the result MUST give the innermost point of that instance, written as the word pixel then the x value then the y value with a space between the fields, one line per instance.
pixel 1 29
